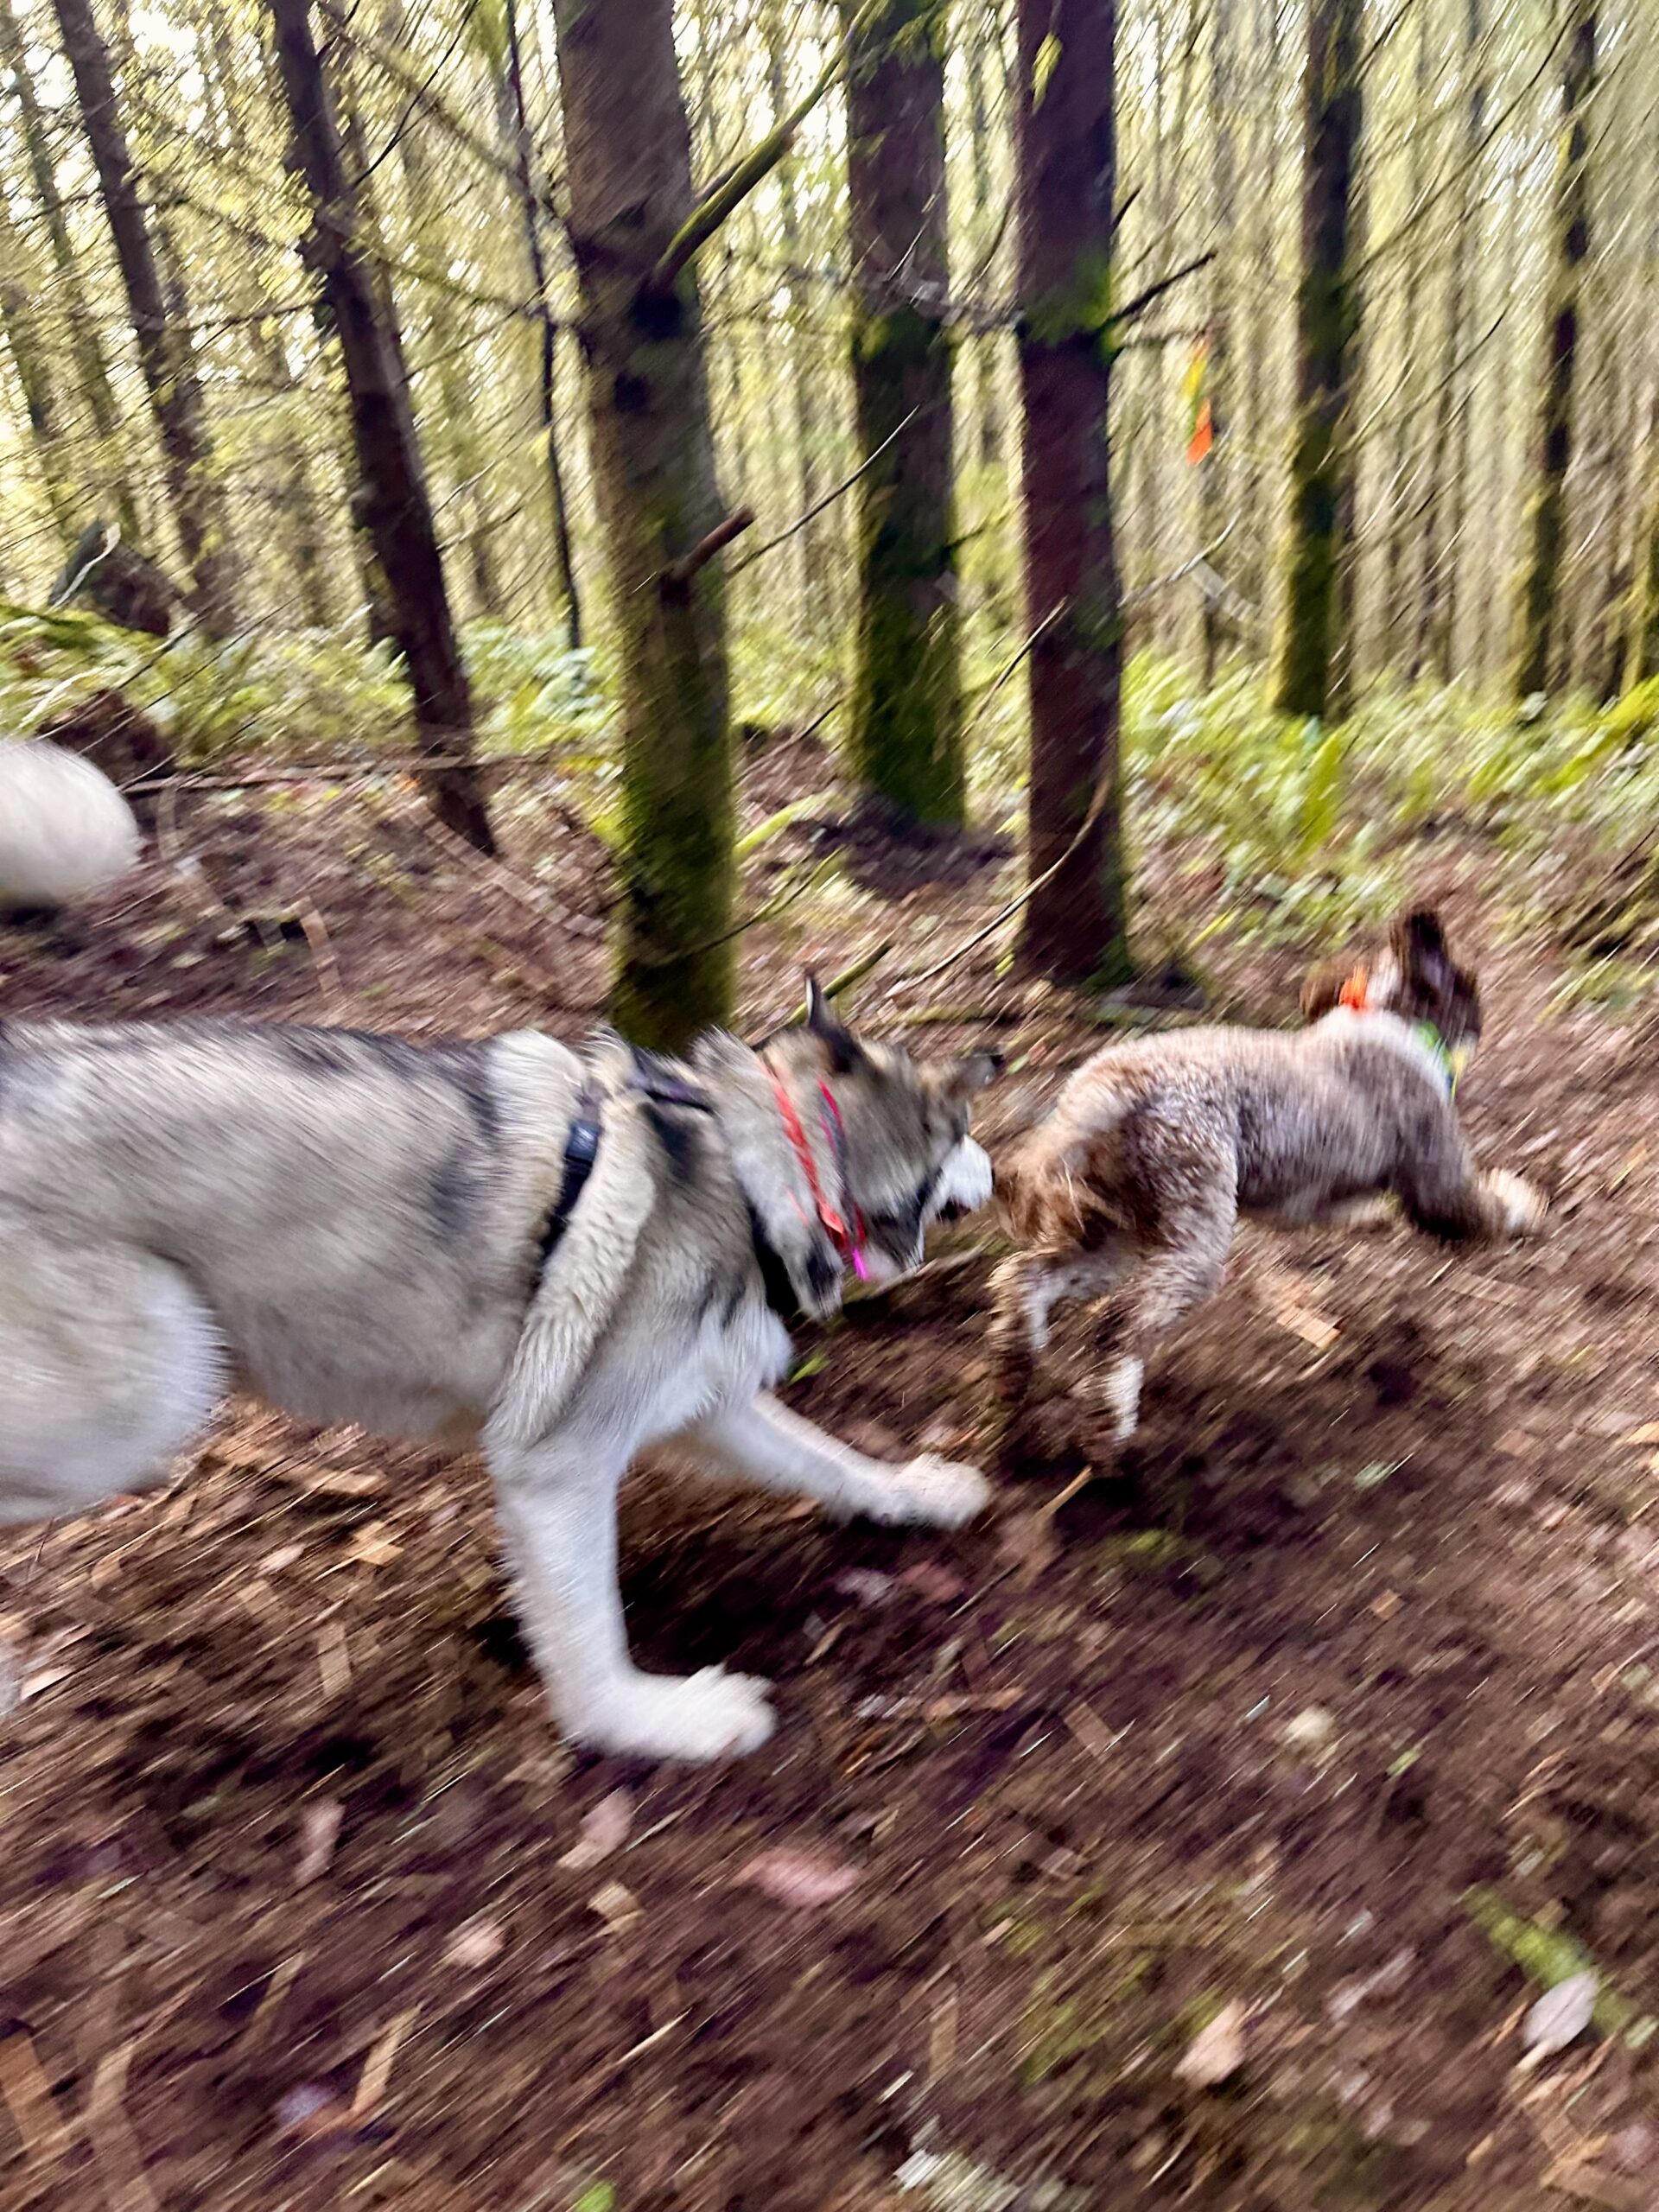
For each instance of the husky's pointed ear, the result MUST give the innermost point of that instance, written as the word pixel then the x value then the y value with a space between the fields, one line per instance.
pixel 843 1048
pixel 957 1082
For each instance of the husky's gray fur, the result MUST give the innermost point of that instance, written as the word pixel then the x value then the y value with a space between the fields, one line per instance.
pixel 348 1226
pixel 1135 1180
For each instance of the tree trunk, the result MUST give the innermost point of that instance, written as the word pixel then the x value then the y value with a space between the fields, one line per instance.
pixel 628 177
pixel 1216 466
pixel 30 348
pixel 988 440
pixel 397 510
pixel 1642 646
pixel 1536 605
pixel 906 733
pixel 1449 453
pixel 1325 321
pixel 166 354
pixel 1076 922
pixel 812 584
pixel 1403 507
pixel 86 347
pixel 515 126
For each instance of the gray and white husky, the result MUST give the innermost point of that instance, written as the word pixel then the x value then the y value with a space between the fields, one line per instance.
pixel 562 1259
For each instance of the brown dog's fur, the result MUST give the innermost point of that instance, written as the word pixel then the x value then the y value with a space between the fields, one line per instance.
pixel 1133 1181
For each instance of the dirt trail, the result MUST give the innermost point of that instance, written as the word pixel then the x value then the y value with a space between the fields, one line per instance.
pixel 303 1906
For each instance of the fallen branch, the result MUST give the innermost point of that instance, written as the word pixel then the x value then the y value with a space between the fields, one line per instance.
pixel 1142 301
pixel 819 507
pixel 704 551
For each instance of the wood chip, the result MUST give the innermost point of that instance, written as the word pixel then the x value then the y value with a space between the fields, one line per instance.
pixel 616 1906
pixel 1091 1732
pixel 120 2161
pixel 376 2067
pixel 334 1659
pixel 29 2099
pixel 319 1832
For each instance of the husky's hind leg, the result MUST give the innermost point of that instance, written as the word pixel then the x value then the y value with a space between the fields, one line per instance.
pixel 109 1365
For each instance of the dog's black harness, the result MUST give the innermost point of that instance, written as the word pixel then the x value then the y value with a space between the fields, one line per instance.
pixel 651 1078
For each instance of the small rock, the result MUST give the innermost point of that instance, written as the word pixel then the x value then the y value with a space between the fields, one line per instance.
pixel 474 1944
pixel 1313 1729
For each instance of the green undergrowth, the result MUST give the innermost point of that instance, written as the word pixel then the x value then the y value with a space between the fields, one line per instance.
pixel 1269 827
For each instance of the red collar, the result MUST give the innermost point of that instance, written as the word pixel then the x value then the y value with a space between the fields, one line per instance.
pixel 847 1237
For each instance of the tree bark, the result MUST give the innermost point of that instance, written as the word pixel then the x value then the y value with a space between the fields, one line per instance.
pixel 1076 921
pixel 86 347
pixel 1436 609
pixel 31 352
pixel 1327 324
pixel 1541 575
pixel 166 353
pixel 1214 469
pixel 628 178
pixel 515 125
pixel 396 511
pixel 906 727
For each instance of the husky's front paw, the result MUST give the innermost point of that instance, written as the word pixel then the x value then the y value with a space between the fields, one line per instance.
pixel 934 1493
pixel 709 1715
pixel 1521 1208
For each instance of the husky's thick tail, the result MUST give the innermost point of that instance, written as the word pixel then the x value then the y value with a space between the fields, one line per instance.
pixel 65 829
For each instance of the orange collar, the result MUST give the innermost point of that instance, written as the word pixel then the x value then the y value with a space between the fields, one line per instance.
pixel 1354 991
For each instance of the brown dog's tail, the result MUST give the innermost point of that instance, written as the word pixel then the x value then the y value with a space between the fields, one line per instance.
pixel 1060 1186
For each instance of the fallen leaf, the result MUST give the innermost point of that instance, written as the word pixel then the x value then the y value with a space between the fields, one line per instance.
pixel 1217 2052
pixel 864 1584
pixel 1648 1433
pixel 376 2076
pixel 319 1832
pixel 616 1906
pixel 604 1829
pixel 474 1944
pixel 801 1879
pixel 1560 2017
pixel 374 1546
pixel 935 1583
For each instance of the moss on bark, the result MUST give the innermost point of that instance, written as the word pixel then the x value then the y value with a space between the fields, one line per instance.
pixel 906 740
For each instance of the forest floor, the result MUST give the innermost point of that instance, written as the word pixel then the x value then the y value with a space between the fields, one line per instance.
pixel 1334 1700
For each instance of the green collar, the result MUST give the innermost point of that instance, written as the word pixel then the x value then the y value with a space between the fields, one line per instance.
pixel 1435 1046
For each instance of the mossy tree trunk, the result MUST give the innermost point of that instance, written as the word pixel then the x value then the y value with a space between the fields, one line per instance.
pixel 1214 489
pixel 1642 640
pixel 628 178
pixel 1546 531
pixel 391 494
pixel 1075 923
pixel 166 351
pixel 906 732
pixel 1327 324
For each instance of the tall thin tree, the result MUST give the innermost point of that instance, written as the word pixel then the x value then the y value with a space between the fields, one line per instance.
pixel 628 181
pixel 166 350
pixel 1076 926
pixel 1569 248
pixel 1326 323
pixel 85 341
pixel 393 500
pixel 906 726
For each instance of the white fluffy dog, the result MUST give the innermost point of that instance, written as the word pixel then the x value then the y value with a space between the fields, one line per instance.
pixel 65 829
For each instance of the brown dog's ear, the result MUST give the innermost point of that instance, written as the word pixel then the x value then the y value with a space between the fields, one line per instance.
pixel 1323 990
pixel 1419 943
pixel 841 1047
